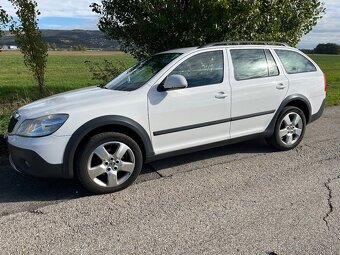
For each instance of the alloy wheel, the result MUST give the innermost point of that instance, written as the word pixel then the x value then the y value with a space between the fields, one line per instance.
pixel 291 128
pixel 111 164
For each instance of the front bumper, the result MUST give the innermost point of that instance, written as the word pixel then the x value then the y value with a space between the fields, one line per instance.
pixel 29 162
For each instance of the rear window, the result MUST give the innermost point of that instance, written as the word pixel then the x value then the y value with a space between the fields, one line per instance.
pixel 294 62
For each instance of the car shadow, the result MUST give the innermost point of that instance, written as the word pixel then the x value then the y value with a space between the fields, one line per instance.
pixel 16 187
pixel 253 146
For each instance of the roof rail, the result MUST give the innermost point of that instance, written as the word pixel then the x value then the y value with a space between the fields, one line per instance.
pixel 244 43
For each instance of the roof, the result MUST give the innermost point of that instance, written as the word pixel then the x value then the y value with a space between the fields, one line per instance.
pixel 245 43
pixel 181 50
pixel 231 44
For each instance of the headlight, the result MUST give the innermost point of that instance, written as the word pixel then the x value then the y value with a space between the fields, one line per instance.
pixel 42 126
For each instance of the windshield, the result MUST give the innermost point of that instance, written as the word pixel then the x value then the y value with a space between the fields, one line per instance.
pixel 139 74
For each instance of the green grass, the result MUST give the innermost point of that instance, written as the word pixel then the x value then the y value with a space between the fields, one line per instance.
pixel 67 70
pixel 330 65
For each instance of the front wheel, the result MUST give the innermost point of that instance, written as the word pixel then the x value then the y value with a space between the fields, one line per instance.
pixel 289 129
pixel 109 162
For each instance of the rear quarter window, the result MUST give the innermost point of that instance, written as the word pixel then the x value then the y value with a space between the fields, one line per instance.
pixel 294 62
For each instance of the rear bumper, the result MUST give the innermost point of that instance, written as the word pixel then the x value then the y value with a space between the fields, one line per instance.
pixel 29 162
pixel 317 115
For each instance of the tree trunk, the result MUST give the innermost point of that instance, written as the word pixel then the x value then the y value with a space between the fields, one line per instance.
pixel 41 84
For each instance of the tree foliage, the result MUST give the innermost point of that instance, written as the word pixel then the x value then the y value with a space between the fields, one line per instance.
pixel 105 71
pixel 149 26
pixel 327 48
pixel 4 19
pixel 29 39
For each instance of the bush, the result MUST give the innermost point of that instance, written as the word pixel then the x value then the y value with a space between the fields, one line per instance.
pixel 327 48
pixel 106 71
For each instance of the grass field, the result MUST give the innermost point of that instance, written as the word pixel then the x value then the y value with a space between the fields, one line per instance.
pixel 67 70
pixel 330 65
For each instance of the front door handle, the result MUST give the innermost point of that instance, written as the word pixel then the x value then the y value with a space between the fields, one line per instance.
pixel 281 86
pixel 221 95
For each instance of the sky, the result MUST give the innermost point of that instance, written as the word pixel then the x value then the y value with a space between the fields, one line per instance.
pixel 76 14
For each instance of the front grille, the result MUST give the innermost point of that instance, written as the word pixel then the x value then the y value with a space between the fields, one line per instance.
pixel 12 124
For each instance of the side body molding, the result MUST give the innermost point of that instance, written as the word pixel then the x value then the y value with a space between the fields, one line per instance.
pixel 77 137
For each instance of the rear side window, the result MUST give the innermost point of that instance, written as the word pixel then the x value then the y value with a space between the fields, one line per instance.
pixel 294 62
pixel 253 63
pixel 202 69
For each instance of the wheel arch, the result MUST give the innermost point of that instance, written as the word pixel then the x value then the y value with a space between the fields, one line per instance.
pixel 296 100
pixel 103 124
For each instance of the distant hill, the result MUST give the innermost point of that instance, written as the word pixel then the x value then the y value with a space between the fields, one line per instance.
pixel 66 39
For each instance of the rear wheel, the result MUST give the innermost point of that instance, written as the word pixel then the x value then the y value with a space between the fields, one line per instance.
pixel 289 129
pixel 109 162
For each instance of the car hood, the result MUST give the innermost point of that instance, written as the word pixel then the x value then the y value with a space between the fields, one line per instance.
pixel 69 102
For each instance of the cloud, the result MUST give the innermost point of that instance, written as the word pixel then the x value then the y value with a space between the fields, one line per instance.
pixel 65 14
pixel 78 15
pixel 327 29
pixel 65 8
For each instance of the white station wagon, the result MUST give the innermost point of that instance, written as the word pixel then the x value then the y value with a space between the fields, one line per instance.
pixel 174 102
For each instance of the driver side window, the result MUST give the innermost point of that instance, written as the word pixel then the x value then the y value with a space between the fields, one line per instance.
pixel 202 69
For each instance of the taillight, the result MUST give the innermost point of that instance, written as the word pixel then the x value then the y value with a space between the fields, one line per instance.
pixel 325 81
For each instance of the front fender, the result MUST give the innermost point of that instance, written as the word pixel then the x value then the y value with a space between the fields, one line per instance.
pixel 85 129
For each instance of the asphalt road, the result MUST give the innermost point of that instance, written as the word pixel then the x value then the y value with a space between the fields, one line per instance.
pixel 238 199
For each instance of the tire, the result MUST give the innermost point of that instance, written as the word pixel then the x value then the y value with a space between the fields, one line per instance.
pixel 289 129
pixel 109 162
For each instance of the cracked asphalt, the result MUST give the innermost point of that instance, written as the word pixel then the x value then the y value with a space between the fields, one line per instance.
pixel 238 199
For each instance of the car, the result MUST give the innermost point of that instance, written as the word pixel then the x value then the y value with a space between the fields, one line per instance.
pixel 174 102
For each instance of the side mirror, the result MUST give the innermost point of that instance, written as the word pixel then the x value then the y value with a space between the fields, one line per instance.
pixel 175 81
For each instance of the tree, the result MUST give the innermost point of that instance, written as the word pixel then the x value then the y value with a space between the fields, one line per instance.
pixel 29 39
pixel 150 26
pixel 327 48
pixel 4 19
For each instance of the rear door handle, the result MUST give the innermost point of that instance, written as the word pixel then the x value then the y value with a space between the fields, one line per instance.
pixel 281 86
pixel 221 95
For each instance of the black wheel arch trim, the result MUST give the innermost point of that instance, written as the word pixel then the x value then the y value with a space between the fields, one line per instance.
pixel 85 129
pixel 295 97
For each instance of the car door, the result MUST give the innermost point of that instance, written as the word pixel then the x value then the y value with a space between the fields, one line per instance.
pixel 196 115
pixel 258 87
